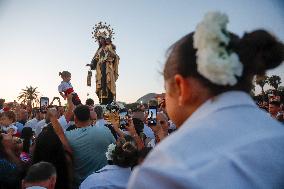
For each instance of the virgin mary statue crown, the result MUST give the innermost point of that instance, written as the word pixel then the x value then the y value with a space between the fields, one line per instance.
pixel 102 30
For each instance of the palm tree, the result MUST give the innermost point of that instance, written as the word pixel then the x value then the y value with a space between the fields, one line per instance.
pixel 274 81
pixel 261 81
pixel 29 95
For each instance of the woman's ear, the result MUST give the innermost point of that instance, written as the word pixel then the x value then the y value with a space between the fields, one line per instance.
pixel 183 89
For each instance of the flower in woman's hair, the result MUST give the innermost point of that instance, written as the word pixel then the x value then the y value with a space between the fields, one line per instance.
pixel 211 31
pixel 214 61
pixel 109 153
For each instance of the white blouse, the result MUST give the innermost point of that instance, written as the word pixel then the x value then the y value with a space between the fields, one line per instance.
pixel 109 177
pixel 227 143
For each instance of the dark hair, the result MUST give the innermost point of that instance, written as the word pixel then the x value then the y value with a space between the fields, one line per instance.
pixel 49 148
pixel 125 153
pixel 27 134
pixel 40 172
pixel 275 103
pixel 82 113
pixel 258 51
pixel 90 102
pixel 99 111
pixel 10 115
pixel 144 152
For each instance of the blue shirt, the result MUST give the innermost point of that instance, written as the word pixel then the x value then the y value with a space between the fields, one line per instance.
pixel 89 145
pixel 228 142
pixel 20 126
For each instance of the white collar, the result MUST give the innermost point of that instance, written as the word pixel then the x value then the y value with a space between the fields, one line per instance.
pixel 35 187
pixel 112 167
pixel 222 101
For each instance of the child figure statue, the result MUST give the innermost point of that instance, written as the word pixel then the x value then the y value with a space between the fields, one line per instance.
pixel 65 88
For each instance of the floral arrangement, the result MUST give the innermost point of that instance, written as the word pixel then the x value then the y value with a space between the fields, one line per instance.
pixel 109 153
pixel 214 61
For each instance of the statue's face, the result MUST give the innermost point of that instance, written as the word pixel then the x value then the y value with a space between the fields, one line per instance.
pixel 102 40
pixel 108 41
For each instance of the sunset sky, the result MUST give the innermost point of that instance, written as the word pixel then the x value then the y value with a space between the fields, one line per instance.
pixel 39 38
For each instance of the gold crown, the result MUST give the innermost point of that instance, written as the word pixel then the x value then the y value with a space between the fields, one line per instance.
pixel 102 30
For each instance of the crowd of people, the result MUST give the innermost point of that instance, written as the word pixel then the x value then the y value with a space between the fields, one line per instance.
pixel 75 139
pixel 209 133
pixel 274 105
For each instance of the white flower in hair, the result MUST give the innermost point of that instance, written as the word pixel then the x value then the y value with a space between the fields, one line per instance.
pixel 214 62
pixel 109 152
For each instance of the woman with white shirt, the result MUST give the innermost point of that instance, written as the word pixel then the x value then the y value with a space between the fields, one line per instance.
pixel 121 158
pixel 223 139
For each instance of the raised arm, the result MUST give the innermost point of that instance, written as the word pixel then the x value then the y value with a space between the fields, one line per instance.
pixel 70 107
pixel 58 130
pixel 131 129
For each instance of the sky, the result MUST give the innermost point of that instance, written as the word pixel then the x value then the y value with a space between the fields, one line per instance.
pixel 40 38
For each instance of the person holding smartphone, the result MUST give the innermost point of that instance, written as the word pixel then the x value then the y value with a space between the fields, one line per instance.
pixel 160 129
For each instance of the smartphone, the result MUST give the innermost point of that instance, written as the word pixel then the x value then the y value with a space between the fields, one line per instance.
pixel 123 119
pixel 44 103
pixel 152 115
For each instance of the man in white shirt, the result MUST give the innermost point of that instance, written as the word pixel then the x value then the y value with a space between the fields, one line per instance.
pixel 100 122
pixel 33 122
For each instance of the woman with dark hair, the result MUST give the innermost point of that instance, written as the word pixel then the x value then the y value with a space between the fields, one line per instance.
pixel 10 164
pixel 223 139
pixel 49 148
pixel 121 158
pixel 27 134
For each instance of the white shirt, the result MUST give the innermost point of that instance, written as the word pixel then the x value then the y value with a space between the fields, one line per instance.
pixel 109 177
pixel 39 126
pixel 64 86
pixel 148 132
pixel 63 122
pixel 172 125
pixel 100 123
pixel 32 123
pixel 228 142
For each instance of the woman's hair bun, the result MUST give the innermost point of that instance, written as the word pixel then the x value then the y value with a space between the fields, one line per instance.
pixel 125 153
pixel 260 51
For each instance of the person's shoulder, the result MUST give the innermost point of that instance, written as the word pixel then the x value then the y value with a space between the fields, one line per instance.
pixel 96 179
pixel 72 133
